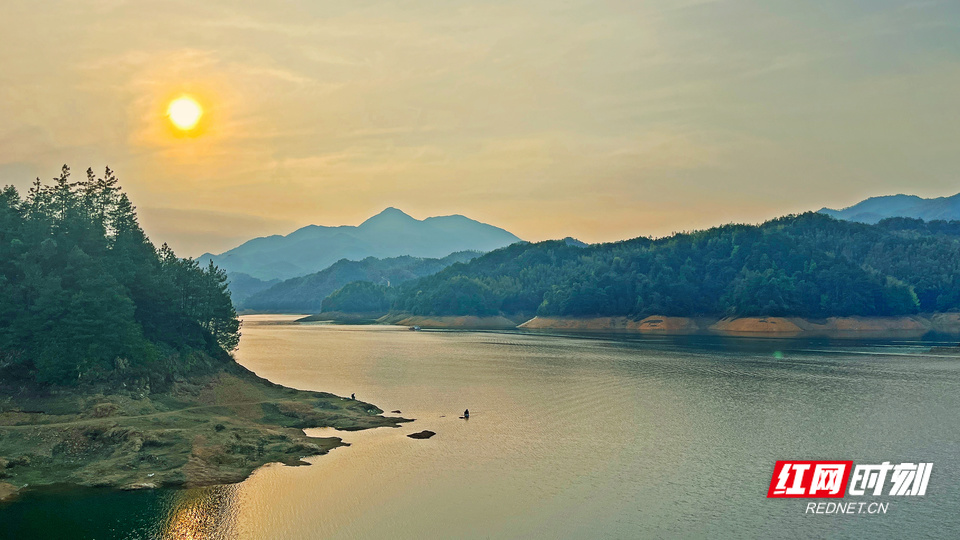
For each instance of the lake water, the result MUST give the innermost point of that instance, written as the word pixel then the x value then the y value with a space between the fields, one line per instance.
pixel 569 437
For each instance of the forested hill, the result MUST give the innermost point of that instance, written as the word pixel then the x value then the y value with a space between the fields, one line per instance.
pixel 808 265
pixel 306 294
pixel 85 296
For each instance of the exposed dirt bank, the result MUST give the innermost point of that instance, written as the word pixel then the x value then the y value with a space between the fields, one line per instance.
pixel 780 326
pixel 7 491
pixel 756 325
pixel 655 323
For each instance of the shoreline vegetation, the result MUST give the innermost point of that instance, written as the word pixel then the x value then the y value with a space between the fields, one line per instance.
pixel 806 274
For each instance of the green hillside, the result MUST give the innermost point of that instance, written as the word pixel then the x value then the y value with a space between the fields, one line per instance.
pixel 808 265
pixel 306 294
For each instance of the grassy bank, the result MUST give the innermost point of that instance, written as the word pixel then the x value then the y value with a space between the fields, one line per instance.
pixel 461 322
pixel 212 429
pixel 338 317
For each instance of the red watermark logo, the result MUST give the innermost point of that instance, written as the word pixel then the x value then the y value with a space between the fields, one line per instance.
pixel 826 479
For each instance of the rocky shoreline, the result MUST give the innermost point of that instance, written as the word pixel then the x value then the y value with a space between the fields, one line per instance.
pixel 917 325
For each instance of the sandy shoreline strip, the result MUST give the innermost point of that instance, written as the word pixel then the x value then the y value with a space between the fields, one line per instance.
pixel 915 325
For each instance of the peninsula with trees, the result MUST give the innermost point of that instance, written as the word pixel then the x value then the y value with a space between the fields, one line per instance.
pixel 115 365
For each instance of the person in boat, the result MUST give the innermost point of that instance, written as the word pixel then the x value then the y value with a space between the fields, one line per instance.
pixel 466 413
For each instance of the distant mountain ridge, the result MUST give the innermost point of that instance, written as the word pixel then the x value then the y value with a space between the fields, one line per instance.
pixel 391 233
pixel 306 293
pixel 874 209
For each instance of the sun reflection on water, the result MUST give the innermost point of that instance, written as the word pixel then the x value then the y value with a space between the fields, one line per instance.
pixel 202 514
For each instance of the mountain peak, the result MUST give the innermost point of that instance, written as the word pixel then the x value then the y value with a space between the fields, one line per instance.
pixel 392 211
pixel 390 215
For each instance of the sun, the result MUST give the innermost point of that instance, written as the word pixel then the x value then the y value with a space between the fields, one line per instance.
pixel 184 112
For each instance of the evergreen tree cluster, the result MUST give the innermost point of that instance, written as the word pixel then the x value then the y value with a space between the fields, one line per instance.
pixel 359 297
pixel 85 296
pixel 807 265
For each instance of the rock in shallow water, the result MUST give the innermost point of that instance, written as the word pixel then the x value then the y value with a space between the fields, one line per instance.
pixel 425 434
pixel 138 486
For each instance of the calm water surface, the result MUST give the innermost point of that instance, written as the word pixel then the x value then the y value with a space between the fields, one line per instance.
pixel 569 437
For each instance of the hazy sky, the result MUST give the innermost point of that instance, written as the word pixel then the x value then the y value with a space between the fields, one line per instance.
pixel 596 119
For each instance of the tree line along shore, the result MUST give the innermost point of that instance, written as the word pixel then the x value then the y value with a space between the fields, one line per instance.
pixel 796 274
